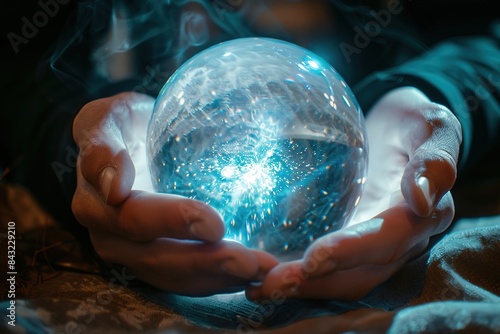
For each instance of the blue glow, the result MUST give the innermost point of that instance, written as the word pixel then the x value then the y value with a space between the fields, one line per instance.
pixel 250 128
pixel 313 64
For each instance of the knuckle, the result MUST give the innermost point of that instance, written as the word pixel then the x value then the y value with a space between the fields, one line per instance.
pixel 88 112
pixel 97 119
pixel 440 117
pixel 438 114
pixel 442 148
pixel 120 106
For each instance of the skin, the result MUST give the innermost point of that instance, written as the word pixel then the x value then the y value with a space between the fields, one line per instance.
pixel 171 242
pixel 176 244
pixel 410 138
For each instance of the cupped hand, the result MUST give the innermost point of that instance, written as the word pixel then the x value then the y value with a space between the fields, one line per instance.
pixel 413 152
pixel 168 241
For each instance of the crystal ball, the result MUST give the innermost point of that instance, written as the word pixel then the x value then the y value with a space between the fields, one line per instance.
pixel 267 133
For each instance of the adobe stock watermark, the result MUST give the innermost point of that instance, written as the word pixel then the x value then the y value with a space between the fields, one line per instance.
pixel 371 29
pixel 31 26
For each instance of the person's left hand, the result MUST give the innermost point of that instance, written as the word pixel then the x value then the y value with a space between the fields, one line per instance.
pixel 413 153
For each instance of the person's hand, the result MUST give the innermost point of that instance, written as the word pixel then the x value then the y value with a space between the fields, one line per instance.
pixel 413 153
pixel 168 241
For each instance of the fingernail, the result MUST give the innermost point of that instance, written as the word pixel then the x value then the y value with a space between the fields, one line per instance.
pixel 428 190
pixel 105 179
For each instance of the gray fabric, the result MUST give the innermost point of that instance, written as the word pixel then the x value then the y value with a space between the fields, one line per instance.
pixel 452 287
pixel 464 266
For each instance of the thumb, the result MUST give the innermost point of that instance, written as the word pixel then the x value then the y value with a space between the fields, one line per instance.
pixel 104 161
pixel 432 168
pixel 111 173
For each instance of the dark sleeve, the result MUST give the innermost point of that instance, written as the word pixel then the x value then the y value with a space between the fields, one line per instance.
pixel 39 101
pixel 38 151
pixel 36 146
pixel 463 74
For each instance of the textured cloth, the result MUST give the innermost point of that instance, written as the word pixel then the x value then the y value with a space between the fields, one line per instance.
pixel 452 287
pixel 455 285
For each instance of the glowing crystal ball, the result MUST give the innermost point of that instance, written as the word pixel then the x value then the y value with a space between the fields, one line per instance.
pixel 267 133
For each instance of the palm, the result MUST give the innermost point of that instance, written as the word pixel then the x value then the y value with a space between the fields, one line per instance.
pixel 387 163
pixel 395 217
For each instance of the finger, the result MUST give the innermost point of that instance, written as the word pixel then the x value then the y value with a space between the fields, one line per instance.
pixel 266 263
pixel 292 282
pixel 432 143
pixel 146 216
pixel 110 171
pixel 184 267
pixel 285 278
pixel 104 160
pixel 379 241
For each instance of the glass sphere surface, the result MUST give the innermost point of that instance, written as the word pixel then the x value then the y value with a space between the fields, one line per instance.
pixel 267 133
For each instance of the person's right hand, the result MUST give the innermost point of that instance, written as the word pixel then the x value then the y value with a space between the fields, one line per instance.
pixel 168 241
pixel 414 146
